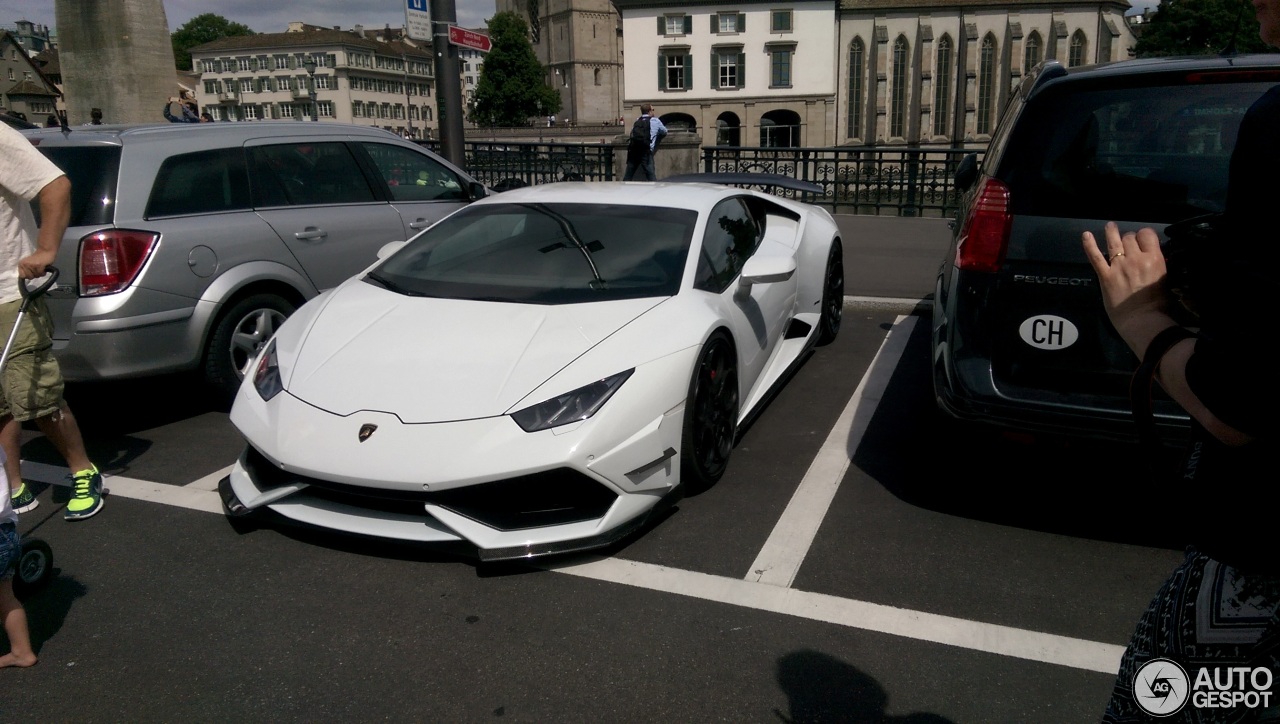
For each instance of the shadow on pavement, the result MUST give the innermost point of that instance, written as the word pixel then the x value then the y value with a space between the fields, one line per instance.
pixel 822 688
pixel 116 417
pixel 1076 487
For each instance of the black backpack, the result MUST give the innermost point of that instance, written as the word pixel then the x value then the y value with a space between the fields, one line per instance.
pixel 638 143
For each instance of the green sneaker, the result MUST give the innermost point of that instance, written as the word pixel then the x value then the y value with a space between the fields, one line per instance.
pixel 23 499
pixel 86 495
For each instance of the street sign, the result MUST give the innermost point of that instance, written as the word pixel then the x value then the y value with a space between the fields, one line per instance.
pixel 464 38
pixel 417 21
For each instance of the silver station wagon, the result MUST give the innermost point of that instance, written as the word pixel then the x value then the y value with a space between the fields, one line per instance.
pixel 189 244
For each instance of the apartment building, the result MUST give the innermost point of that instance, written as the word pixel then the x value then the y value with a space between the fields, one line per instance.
pixel 356 79
pixel 744 73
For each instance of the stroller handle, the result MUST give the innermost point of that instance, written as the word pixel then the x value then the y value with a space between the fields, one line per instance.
pixel 28 294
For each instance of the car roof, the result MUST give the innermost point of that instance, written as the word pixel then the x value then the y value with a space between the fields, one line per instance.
pixel 695 196
pixel 1053 73
pixel 218 132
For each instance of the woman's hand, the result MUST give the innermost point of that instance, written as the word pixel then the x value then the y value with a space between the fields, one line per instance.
pixel 1131 277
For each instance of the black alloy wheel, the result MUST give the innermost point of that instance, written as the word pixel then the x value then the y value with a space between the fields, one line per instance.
pixel 832 295
pixel 711 415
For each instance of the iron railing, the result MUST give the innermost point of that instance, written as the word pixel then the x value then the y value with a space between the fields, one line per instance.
pixel 856 179
pixel 502 165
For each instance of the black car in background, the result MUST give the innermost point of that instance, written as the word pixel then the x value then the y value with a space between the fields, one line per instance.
pixel 1020 337
pixel 15 122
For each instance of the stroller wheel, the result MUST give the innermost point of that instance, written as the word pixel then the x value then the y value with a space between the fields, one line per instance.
pixel 35 566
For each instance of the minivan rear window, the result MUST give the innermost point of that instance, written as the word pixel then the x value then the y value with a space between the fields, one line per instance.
pixel 1155 153
pixel 92 171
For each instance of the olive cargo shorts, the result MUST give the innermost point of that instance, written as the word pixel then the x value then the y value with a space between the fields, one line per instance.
pixel 31 381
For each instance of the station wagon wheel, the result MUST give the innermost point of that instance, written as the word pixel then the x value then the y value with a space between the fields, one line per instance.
pixel 239 334
pixel 832 295
pixel 710 416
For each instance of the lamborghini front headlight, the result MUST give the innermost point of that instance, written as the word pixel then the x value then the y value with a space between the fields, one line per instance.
pixel 574 406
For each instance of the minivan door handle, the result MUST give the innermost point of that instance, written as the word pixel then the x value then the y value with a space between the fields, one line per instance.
pixel 419 224
pixel 310 233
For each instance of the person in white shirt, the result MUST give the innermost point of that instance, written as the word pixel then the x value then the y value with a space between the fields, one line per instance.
pixel 32 381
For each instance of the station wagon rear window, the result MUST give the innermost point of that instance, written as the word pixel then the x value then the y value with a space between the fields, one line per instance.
pixel 1151 153
pixel 92 171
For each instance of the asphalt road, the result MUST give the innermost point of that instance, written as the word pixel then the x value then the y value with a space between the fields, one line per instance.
pixel 862 560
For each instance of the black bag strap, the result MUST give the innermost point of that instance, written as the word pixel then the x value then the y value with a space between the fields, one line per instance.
pixel 1140 384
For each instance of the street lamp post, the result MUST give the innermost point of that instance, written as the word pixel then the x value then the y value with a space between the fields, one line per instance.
pixel 310 65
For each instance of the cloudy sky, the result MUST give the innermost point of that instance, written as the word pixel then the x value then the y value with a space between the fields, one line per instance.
pixel 274 17
pixel 270 16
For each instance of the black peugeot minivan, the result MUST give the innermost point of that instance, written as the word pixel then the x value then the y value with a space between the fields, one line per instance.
pixel 1020 338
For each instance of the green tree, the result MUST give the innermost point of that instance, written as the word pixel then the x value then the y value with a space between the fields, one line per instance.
pixel 1200 27
pixel 512 89
pixel 199 30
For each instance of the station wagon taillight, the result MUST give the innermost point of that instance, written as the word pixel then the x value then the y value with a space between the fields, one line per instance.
pixel 985 234
pixel 110 260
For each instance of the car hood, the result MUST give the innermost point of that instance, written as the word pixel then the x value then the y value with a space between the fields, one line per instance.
pixel 439 360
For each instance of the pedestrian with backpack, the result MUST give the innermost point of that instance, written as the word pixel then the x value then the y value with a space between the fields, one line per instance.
pixel 646 133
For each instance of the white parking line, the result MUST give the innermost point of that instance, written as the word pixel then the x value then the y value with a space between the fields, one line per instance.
pixel 917 625
pixel 189 497
pixel 210 481
pixel 780 558
pixel 768 588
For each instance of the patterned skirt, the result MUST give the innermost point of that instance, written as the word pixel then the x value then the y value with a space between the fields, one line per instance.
pixel 1206 616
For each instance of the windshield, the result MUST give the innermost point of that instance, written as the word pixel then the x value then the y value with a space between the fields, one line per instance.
pixel 545 254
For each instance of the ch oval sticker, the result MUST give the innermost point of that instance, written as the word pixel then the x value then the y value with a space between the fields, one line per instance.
pixel 1046 331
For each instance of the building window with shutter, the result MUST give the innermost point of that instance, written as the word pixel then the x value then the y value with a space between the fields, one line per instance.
pixel 898 104
pixel 780 21
pixel 780 66
pixel 942 88
pixel 986 82
pixel 728 23
pixel 857 68
pixel 675 24
pixel 674 67
pixel 726 68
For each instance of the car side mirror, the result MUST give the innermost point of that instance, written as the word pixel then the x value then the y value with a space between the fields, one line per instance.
pixel 766 270
pixel 966 172
pixel 478 191
pixel 390 248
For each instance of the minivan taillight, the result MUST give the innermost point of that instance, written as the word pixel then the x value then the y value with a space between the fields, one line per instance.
pixel 111 259
pixel 985 234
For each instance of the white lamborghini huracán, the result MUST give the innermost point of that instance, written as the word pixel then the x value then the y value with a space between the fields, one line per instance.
pixel 540 371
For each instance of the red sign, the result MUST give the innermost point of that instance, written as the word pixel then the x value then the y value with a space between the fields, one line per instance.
pixel 467 39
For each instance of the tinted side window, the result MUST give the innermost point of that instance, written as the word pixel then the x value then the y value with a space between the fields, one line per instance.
pixel 200 183
pixel 414 176
pixel 730 239
pixel 1151 153
pixel 301 174
pixel 92 172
